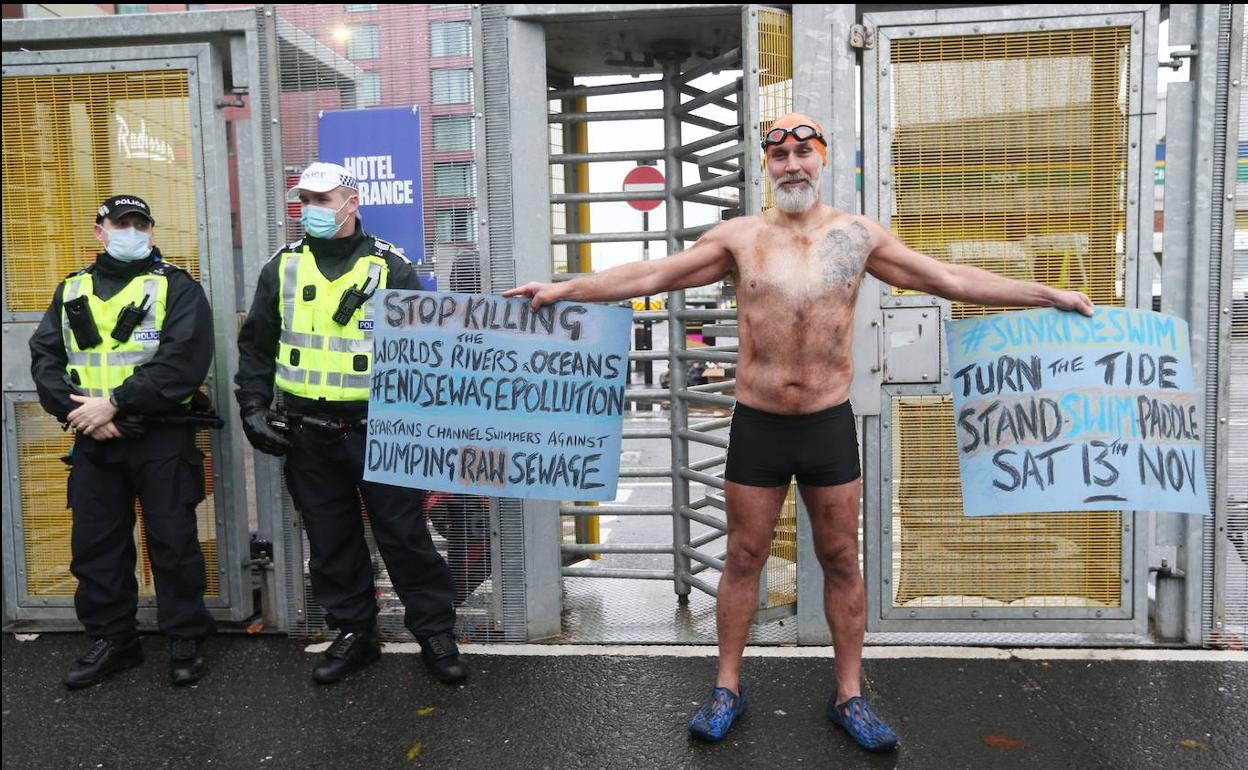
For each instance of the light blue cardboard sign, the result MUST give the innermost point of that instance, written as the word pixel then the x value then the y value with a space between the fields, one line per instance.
pixel 478 393
pixel 1055 411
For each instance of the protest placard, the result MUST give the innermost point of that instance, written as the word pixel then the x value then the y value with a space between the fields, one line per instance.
pixel 479 393
pixel 1055 411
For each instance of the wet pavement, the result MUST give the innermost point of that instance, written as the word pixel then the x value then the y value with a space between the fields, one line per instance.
pixel 258 707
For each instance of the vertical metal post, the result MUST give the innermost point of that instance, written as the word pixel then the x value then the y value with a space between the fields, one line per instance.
pixel 275 515
pixel 530 211
pixel 1224 581
pixel 823 87
pixel 1198 246
pixel 676 328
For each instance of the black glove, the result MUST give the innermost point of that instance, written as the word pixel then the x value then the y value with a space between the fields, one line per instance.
pixel 130 425
pixel 262 435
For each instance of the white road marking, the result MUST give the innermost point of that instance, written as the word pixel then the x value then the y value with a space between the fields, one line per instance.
pixel 871 652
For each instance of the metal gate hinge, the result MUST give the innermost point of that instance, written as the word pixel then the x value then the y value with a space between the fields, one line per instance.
pixel 861 36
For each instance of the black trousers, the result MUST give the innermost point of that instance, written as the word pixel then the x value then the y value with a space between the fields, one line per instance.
pixel 167 477
pixel 325 477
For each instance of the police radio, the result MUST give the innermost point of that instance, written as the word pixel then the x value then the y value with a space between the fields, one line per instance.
pixel 82 323
pixel 352 300
pixel 130 317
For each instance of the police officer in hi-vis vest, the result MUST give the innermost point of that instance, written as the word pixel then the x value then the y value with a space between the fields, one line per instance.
pixel 309 333
pixel 125 344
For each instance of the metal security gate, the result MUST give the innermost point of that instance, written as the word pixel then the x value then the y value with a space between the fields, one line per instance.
pixel 357 57
pixel 80 125
pixel 1015 145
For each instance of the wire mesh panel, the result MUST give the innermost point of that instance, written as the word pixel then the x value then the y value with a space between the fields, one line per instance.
pixel 371 56
pixel 1008 152
pixel 46 522
pixel 943 559
pixel 70 141
pixel 775 76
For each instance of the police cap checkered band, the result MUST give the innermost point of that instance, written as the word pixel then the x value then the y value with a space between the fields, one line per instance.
pixel 323 177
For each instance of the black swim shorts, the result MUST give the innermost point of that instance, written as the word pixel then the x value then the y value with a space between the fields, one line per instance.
pixel 767 450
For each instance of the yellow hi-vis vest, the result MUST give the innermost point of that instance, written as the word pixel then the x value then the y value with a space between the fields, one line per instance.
pixel 99 370
pixel 317 358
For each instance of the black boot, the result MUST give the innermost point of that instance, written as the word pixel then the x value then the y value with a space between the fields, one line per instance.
pixel 441 656
pixel 106 656
pixel 186 661
pixel 351 650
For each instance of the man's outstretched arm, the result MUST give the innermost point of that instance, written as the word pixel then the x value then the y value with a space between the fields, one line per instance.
pixel 897 264
pixel 706 261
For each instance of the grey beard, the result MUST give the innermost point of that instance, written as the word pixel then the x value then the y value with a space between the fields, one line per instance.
pixel 794 201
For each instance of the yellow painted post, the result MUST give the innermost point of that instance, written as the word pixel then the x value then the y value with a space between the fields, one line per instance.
pixel 587 527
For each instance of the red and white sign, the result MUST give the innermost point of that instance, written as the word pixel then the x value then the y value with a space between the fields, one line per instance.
pixel 645 179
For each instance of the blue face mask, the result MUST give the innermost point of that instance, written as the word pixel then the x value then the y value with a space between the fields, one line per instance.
pixel 128 244
pixel 321 222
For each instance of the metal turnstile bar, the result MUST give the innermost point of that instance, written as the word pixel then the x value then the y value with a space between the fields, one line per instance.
pixel 709 500
pixel 728 153
pixel 716 441
pixel 709 399
pixel 648 355
pixel 601 197
pixel 652 315
pixel 615 510
pixel 696 555
pixel 702 98
pixel 709 462
pixel 701 122
pixel 702 586
pixel 621 574
pixel 709 537
pixel 714 183
pixel 714 387
pixel 647 396
pixel 714 140
pixel 648 433
pixel 710 356
pixel 716 424
pixel 711 200
pixel 603 116
pixel 576 92
pixel 695 232
pixel 651 235
pixel 702 478
pixel 605 157
pixel 592 548
pixel 702 518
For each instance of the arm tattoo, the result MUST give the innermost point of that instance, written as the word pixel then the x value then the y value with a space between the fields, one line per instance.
pixel 843 254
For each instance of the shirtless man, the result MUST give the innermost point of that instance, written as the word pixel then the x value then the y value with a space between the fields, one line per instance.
pixel 797 269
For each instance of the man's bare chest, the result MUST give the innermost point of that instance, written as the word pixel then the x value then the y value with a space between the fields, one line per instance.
pixel 827 265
